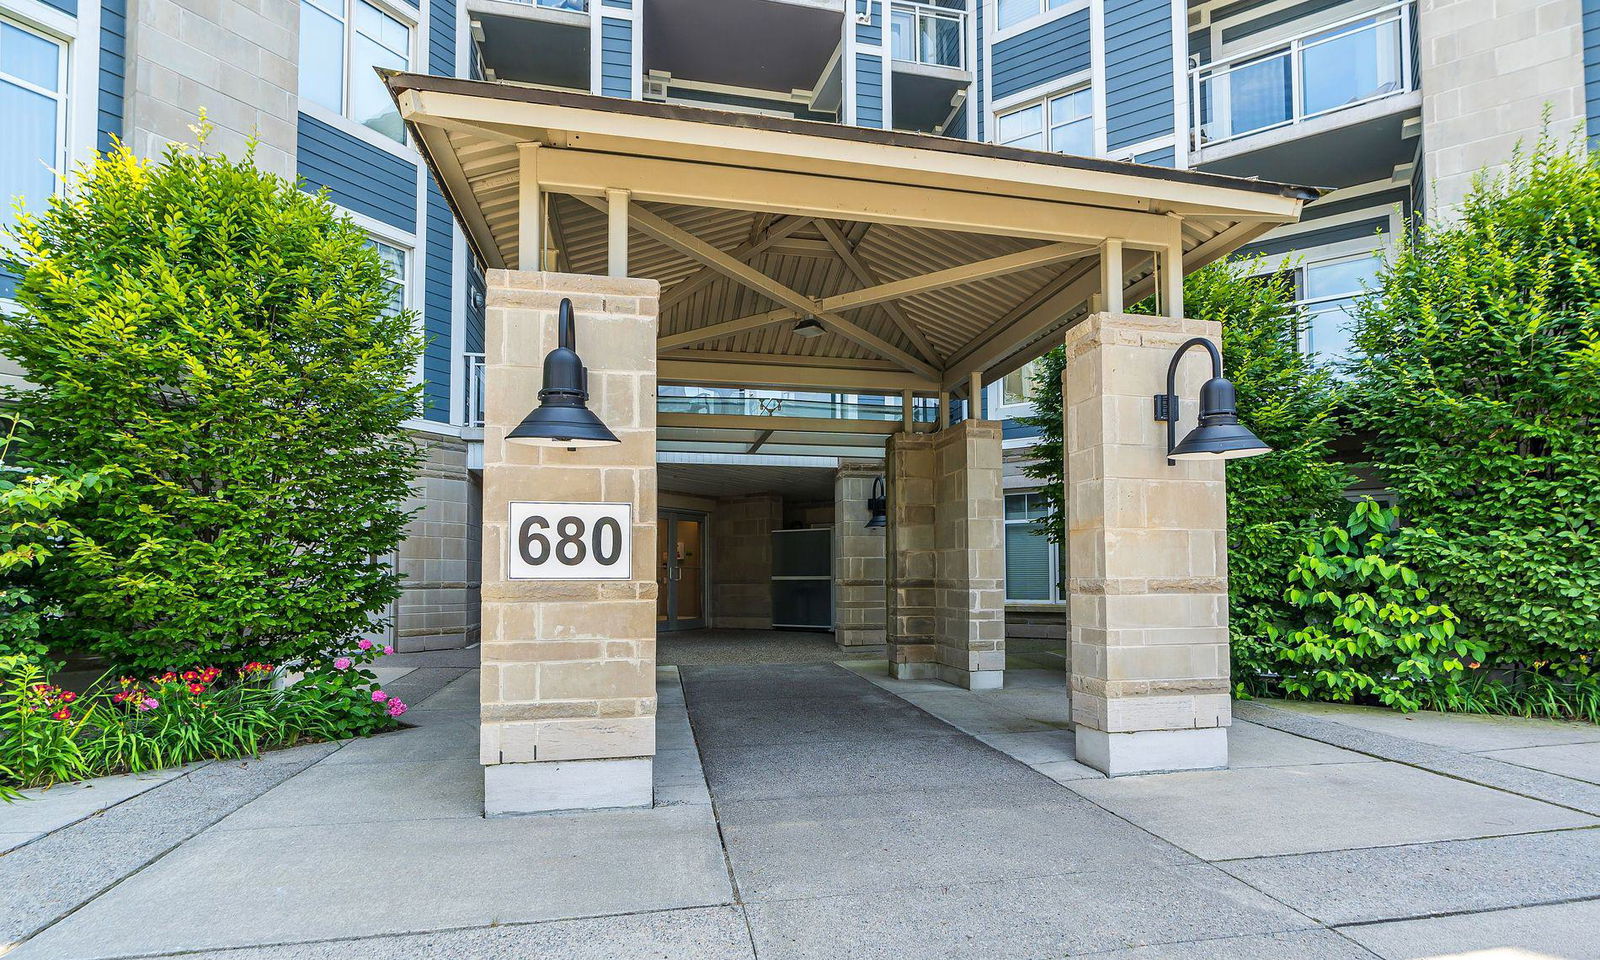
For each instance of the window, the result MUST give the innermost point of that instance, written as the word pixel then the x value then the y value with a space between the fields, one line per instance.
pixel 1069 127
pixel 1032 570
pixel 1328 291
pixel 32 87
pixel 1017 388
pixel 341 41
pixel 394 261
pixel 1013 12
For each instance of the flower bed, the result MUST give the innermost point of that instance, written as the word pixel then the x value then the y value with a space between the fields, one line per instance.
pixel 129 725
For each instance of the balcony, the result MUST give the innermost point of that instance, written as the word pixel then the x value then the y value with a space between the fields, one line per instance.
pixel 760 54
pixel 928 46
pixel 705 420
pixel 1326 106
pixel 474 399
pixel 544 42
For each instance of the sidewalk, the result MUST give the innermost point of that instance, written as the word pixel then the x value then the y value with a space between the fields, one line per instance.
pixel 840 814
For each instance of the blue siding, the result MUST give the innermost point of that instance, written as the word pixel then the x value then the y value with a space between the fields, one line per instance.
pixel 958 127
pixel 1591 65
pixel 1011 429
pixel 870 34
pixel 977 73
pixel 438 237
pixel 1167 157
pixel 1315 238
pixel 869 91
pixel 1139 101
pixel 113 69
pixel 360 177
pixel 477 294
pixel 1049 52
pixel 65 6
pixel 616 57
pixel 622 4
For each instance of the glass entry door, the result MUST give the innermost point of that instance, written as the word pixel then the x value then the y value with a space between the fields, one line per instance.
pixel 680 571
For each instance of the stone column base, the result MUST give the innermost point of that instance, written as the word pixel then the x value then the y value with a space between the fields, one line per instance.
pixel 913 670
pixel 970 679
pixel 516 788
pixel 1152 751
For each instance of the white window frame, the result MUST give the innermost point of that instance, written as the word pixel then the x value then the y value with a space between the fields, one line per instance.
pixel 1308 304
pixel 408 245
pixel 1041 97
pixel 1052 553
pixel 1044 15
pixel 77 133
pixel 341 119
pixel 997 398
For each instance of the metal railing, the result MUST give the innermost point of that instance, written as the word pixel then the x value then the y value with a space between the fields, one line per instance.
pixel 575 6
pixel 1358 60
pixel 924 33
pixel 766 403
pixel 474 363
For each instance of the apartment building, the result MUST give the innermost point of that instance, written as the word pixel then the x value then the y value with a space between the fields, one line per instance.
pixel 1391 106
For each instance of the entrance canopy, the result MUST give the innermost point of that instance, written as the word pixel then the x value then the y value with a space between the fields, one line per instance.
pixel 931 265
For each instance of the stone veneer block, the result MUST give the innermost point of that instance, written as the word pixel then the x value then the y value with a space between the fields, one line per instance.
pixel 1147 554
pixel 568 676
pixel 858 557
pixel 945 554
pixel 741 559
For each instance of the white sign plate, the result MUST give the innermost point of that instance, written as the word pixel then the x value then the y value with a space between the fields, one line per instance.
pixel 571 541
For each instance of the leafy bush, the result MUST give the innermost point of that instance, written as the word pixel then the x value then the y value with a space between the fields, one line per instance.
pixel 229 342
pixel 49 735
pixel 1366 628
pixel 1481 393
pixel 1274 501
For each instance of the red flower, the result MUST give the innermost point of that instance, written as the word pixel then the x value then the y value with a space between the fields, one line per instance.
pixel 68 697
pixel 191 676
pixel 62 714
pixel 197 688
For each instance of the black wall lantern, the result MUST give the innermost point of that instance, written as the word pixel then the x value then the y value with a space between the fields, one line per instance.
pixel 1219 434
pixel 877 506
pixel 563 417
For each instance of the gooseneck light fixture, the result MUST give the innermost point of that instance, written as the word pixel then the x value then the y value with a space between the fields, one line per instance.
pixel 563 417
pixel 877 506
pixel 1219 433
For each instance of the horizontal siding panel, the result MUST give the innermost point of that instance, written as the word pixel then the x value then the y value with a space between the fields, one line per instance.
pixel 1166 157
pixel 1057 49
pixel 359 176
pixel 1315 238
pixel 113 72
pixel 869 90
pixel 1591 64
pixel 616 57
pixel 1139 94
pixel 65 6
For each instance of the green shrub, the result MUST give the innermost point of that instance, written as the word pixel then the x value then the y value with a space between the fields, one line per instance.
pixel 41 729
pixel 1274 501
pixel 1482 397
pixel 227 342
pixel 1366 629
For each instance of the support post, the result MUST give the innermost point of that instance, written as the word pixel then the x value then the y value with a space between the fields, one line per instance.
pixel 944 409
pixel 617 232
pixel 1112 274
pixel 908 411
pixel 1147 557
pixel 568 676
pixel 858 565
pixel 530 209
pixel 975 395
pixel 1172 272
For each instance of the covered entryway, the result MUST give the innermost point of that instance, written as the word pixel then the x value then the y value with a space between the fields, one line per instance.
pixel 949 263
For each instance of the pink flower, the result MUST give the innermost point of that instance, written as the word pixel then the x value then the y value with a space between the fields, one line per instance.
pixel 378 696
pixel 396 708
pixel 364 644
pixel 343 663
pixel 149 703
pixel 388 650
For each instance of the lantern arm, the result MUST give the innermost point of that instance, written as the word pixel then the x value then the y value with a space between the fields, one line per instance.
pixel 1167 403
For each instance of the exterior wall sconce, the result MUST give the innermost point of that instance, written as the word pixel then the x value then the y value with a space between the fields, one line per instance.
pixel 877 506
pixel 1219 433
pixel 563 417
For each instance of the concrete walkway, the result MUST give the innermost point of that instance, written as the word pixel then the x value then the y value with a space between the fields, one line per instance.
pixel 806 810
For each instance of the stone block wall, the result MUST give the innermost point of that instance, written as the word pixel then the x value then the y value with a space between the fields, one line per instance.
pixel 1490 69
pixel 858 563
pixel 910 553
pixel 741 561
pixel 568 682
pixel 969 570
pixel 1147 582
pixel 237 59
pixel 441 556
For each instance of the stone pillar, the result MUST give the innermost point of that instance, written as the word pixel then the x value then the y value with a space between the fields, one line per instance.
pixel 1147 568
pixel 438 605
pixel 909 551
pixel 858 565
pixel 741 560
pixel 568 717
pixel 970 568
pixel 945 555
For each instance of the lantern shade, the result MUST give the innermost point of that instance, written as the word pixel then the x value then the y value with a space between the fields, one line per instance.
pixel 563 417
pixel 1219 434
pixel 877 506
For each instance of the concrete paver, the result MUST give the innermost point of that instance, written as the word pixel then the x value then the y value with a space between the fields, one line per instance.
pixel 1469 733
pixel 1226 814
pixel 48 809
pixel 1557 932
pixel 1580 761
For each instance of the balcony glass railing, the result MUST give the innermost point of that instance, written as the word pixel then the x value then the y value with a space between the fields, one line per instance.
pixel 1356 61
pixel 474 398
pixel 923 33
pixel 576 6
pixel 765 403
